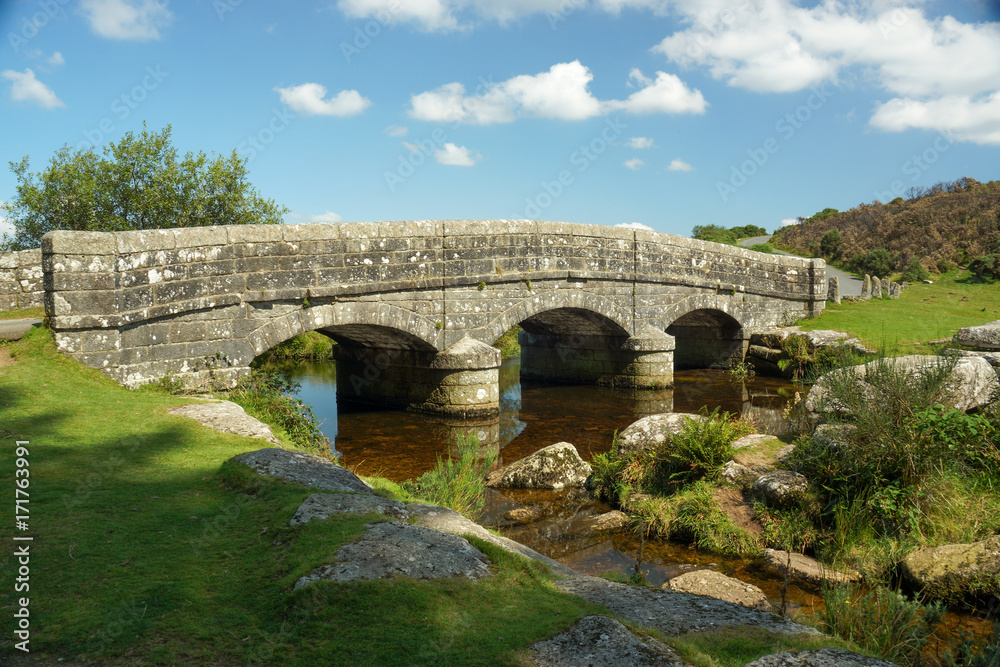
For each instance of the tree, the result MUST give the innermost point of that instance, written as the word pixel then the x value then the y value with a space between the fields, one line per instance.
pixel 138 183
pixel 831 244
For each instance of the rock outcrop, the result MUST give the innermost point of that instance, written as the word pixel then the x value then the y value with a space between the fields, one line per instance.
pixel 302 468
pixel 780 488
pixel 323 505
pixel 712 584
pixel 982 337
pixel 953 571
pixel 653 431
pixel 392 549
pixel 554 467
pixel 599 641
pixel 824 657
pixel 227 417
pixel 971 383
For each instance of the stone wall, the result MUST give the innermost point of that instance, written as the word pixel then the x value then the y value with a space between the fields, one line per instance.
pixel 21 279
pixel 203 302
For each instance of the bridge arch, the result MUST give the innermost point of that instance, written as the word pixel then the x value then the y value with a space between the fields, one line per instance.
pixel 708 331
pixel 597 310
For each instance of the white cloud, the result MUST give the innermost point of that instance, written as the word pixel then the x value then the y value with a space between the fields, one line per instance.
pixel 561 93
pixel 640 142
pixel 931 65
pixel 962 118
pixel 635 225
pixel 430 15
pixel 396 131
pixel 788 222
pixel 458 156
pixel 26 88
pixel 127 19
pixel 667 94
pixel 678 164
pixel 56 59
pixel 634 164
pixel 328 216
pixel 307 98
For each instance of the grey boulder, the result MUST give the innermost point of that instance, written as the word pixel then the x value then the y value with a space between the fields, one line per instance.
pixel 557 466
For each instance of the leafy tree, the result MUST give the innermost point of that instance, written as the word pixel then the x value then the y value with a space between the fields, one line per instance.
pixel 138 183
pixel 876 263
pixel 825 213
pixel 915 272
pixel 831 245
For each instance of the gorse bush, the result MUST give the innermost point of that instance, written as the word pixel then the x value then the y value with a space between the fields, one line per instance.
pixel 274 400
pixel 458 483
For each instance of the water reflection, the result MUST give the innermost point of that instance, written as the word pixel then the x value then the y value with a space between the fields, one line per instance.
pixel 402 445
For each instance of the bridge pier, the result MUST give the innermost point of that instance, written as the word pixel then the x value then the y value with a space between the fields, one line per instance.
pixel 461 381
pixel 643 361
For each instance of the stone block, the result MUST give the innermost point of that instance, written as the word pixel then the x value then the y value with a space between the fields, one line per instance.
pixel 64 242
pixel 96 302
pixel 240 234
pixel 147 240
pixel 195 237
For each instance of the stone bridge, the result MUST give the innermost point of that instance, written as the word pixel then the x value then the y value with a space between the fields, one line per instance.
pixel 415 306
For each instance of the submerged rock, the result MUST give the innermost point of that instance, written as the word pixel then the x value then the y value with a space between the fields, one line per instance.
pixel 653 431
pixel 599 641
pixel 800 566
pixel 302 468
pixel 393 549
pixel 953 571
pixel 608 522
pixel 717 585
pixel 554 467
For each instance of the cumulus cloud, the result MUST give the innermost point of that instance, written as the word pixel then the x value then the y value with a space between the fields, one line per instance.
pixel 788 222
pixel 639 142
pixel 458 156
pixel 307 98
pixel 328 216
pixel 56 59
pixel 634 164
pixel 963 118
pixel 635 225
pixel 930 65
pixel 127 19
pixel 562 93
pixel 26 88
pixel 678 164
pixel 396 131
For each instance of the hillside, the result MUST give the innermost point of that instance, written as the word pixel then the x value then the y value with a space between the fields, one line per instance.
pixel 945 225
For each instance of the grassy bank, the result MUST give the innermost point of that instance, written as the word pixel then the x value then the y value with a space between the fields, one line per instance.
pixel 923 313
pixel 149 550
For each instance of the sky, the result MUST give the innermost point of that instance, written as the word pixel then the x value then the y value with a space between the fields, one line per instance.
pixel 661 113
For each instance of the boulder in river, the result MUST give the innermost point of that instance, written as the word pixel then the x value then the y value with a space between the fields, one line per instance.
pixel 653 431
pixel 554 467
pixel 800 566
pixel 953 571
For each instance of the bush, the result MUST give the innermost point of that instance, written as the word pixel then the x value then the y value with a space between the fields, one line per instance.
pixel 456 483
pixel 762 247
pixel 308 345
pixel 875 263
pixel 986 267
pixel 915 272
pixel 831 244
pixel 274 400
pixel 944 266
pixel 881 621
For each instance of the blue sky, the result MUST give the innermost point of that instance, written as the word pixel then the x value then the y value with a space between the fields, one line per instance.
pixel 665 113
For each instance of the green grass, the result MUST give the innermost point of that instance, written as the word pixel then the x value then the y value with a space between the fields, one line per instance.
pixel 23 313
pixel 923 313
pixel 149 549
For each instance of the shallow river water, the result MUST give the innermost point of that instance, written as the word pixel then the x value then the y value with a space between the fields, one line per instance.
pixel 401 445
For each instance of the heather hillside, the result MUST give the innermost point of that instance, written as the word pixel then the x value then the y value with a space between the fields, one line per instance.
pixel 941 226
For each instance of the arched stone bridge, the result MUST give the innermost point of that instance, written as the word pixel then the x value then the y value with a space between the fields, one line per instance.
pixel 415 306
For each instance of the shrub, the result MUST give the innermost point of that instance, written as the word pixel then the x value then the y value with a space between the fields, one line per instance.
pixel 762 247
pixel 915 272
pixel 458 483
pixel 831 244
pixel 274 400
pixel 986 267
pixel 944 266
pixel 880 620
